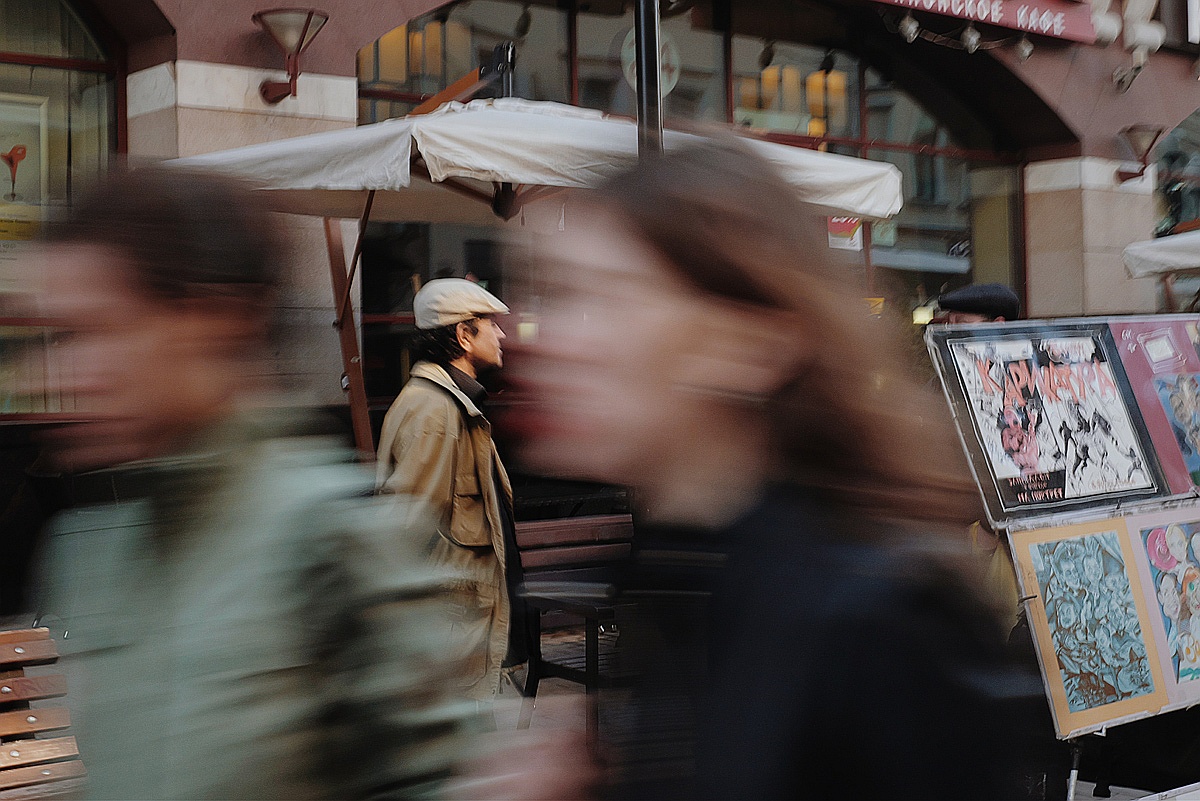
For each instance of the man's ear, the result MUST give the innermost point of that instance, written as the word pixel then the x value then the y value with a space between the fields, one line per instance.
pixel 463 334
pixel 739 351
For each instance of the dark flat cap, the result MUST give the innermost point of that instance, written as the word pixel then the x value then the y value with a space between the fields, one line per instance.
pixel 990 300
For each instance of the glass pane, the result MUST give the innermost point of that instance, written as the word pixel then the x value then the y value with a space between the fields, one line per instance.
pixel 56 134
pixel 45 28
pixel 794 88
pixel 433 51
pixel 1178 160
pixel 540 35
pixel 693 72
pixel 956 228
pixel 371 110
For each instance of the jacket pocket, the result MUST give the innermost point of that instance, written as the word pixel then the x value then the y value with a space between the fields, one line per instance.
pixel 468 521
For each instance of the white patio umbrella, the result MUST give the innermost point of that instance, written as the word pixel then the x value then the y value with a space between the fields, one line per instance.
pixel 1170 254
pixel 506 153
pixel 473 146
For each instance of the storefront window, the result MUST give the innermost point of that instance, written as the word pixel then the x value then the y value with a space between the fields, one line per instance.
pixel 431 52
pixel 1178 158
pixel 57 133
pixel 693 74
pixel 960 222
pixel 794 88
pixel 959 218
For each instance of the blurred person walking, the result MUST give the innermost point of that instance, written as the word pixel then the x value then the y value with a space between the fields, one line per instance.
pixel 241 622
pixel 696 347
pixel 436 446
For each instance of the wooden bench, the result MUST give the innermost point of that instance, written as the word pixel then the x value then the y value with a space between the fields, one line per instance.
pixel 569 567
pixel 33 765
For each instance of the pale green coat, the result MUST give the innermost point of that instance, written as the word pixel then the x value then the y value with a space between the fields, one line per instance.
pixel 251 628
pixel 436 446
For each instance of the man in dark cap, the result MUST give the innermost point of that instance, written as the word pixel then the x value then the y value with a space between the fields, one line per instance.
pixel 979 303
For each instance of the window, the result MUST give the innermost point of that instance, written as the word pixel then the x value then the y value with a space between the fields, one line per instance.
pixel 57 132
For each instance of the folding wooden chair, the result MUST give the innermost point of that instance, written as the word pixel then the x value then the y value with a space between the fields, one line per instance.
pixel 33 765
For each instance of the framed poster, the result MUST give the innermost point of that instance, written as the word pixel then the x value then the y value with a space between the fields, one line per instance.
pixel 1046 416
pixel 24 162
pixel 1163 366
pixel 24 184
pixel 1090 624
pixel 1168 561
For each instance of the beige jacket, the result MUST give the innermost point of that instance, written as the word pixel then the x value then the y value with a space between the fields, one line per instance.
pixel 436 446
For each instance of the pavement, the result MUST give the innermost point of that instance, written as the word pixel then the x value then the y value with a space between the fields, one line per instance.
pixel 561 706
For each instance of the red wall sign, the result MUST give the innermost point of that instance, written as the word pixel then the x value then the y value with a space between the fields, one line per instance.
pixel 1058 18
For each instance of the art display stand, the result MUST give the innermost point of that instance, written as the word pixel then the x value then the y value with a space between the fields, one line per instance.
pixel 1084 439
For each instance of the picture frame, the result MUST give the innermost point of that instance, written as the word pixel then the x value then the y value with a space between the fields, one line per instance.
pixel 24 154
pixel 1091 624
pixel 1047 418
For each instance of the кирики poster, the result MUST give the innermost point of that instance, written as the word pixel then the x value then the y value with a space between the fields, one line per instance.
pixel 1052 425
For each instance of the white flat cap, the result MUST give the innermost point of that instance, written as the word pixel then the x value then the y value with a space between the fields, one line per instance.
pixel 446 301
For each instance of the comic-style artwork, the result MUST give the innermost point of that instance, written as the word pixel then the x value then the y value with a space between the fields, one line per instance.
pixel 1053 425
pixel 1093 620
pixel 1180 396
pixel 1163 368
pixel 1174 554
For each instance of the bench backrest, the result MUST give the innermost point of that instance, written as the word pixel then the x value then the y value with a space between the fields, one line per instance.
pixel 34 761
pixel 575 548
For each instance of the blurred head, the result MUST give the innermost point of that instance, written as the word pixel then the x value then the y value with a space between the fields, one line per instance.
pixel 161 283
pixel 979 303
pixel 688 303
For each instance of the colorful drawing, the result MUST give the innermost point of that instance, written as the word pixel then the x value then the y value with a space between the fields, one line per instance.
pixel 1053 423
pixel 1162 366
pixel 1175 574
pixel 1091 624
pixel 1093 621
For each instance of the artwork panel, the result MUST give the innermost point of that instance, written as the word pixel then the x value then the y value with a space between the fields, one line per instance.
pixel 1090 619
pixel 1161 361
pixel 1168 557
pixel 1046 416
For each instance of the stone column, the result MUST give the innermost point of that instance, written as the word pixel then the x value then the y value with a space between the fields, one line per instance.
pixel 186 108
pixel 1079 218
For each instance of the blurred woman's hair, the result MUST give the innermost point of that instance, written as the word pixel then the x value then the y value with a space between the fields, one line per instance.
pixel 184 234
pixel 852 422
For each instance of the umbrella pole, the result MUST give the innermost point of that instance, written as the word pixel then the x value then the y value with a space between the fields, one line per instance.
pixel 356 258
pixel 351 359
pixel 649 91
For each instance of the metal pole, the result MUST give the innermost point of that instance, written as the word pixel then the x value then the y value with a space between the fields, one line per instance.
pixel 649 92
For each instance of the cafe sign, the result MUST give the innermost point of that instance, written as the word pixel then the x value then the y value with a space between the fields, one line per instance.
pixel 1060 19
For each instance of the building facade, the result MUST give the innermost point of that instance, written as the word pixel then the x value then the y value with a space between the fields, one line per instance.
pixel 1005 118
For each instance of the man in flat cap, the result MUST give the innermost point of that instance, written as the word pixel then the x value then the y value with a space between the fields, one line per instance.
pixel 436 446
pixel 980 303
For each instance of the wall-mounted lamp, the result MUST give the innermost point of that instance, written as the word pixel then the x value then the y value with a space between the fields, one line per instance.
pixel 292 29
pixel 971 38
pixel 1141 139
pixel 1024 48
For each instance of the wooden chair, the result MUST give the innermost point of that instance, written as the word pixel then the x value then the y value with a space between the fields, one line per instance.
pixel 31 765
pixel 569 567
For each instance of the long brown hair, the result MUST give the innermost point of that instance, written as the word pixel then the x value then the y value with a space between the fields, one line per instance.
pixel 853 422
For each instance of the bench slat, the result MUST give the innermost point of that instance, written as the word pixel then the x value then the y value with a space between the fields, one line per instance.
pixel 19 753
pixel 19 722
pixel 574 530
pixel 28 652
pixel 24 635
pixel 32 688
pixel 40 774
pixel 575 555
